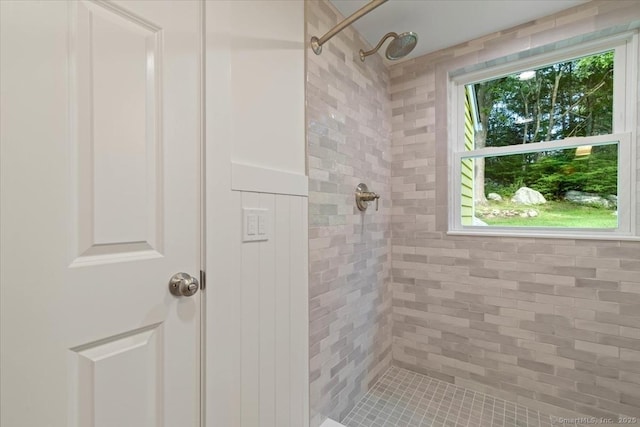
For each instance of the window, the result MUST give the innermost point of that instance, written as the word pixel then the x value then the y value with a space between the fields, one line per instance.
pixel 545 146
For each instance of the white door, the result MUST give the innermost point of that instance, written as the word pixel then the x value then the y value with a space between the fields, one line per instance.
pixel 100 127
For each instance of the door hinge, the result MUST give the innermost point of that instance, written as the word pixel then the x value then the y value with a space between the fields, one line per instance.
pixel 203 280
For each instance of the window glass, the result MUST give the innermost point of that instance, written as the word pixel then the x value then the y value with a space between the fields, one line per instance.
pixel 567 99
pixel 543 146
pixel 573 187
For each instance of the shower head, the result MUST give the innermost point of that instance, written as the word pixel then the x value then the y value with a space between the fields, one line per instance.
pixel 400 46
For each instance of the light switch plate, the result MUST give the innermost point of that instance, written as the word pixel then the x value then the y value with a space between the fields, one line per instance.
pixel 255 224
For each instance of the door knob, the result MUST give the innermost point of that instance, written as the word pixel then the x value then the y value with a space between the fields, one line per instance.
pixel 183 285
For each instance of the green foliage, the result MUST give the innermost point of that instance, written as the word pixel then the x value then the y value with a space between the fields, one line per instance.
pixel 555 173
pixel 544 177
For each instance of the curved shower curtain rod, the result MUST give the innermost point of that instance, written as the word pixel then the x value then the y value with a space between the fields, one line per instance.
pixel 316 43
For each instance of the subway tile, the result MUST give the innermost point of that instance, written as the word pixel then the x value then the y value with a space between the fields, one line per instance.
pixel 622 253
pixel 594 411
pixel 536 366
pixel 607 350
pixel 621 297
pixel 556 361
pixel 389 129
pixel 620 342
pixel 555 300
pixel 629 276
pixel 619 408
pixel 599 306
pixel 630 332
pixel 616 319
pixel 347 144
pixel 597 284
pixel 577 354
pixel 576 375
pixel 595 262
pixel 600 369
pixel 536 288
pixel 603 328
pixel 577 397
pixel 557 401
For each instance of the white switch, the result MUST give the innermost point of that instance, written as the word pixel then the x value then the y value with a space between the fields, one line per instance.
pixel 255 224
pixel 251 224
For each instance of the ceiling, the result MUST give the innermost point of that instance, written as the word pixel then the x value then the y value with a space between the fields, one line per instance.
pixel 445 23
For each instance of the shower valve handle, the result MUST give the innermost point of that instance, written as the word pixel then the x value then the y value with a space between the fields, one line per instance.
pixel 371 196
pixel 364 196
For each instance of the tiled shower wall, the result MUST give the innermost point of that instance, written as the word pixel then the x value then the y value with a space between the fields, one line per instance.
pixel 349 142
pixel 546 321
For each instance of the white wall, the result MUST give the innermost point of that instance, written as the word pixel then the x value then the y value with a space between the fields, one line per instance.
pixel 257 293
pixel 267 54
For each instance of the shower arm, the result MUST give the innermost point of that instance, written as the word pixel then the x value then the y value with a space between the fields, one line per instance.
pixel 364 54
pixel 316 43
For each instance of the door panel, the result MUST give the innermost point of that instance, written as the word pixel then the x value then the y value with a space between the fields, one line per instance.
pixel 100 185
pixel 117 103
pixel 119 381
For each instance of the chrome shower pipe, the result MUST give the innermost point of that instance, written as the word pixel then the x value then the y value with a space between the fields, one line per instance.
pixel 364 54
pixel 316 43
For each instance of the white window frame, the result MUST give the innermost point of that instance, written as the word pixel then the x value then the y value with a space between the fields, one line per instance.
pixel 625 100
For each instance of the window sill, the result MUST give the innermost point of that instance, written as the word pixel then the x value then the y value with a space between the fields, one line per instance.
pixel 546 234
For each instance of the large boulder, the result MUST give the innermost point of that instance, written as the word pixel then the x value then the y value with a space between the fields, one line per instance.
pixel 494 196
pixel 583 198
pixel 528 196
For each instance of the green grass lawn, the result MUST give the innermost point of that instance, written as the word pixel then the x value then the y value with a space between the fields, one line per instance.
pixel 552 214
